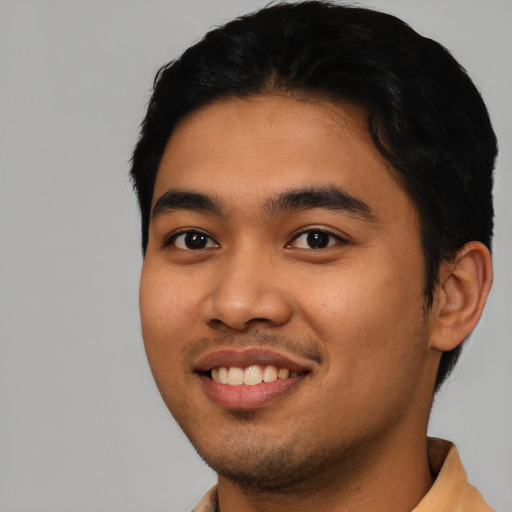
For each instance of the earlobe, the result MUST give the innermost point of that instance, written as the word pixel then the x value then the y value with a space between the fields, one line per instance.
pixel 460 296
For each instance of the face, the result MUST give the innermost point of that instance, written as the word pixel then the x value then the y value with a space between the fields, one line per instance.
pixel 282 291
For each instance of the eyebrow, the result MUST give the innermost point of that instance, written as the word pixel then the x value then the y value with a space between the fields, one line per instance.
pixel 329 198
pixel 174 200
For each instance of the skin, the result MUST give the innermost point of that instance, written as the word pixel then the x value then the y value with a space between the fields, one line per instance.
pixel 352 312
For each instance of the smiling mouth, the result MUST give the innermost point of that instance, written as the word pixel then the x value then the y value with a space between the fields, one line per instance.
pixel 250 379
pixel 251 375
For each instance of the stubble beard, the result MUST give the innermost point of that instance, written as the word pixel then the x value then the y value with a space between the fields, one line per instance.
pixel 297 462
pixel 251 461
pixel 261 466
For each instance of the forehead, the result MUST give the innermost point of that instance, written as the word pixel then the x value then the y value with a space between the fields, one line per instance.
pixel 246 150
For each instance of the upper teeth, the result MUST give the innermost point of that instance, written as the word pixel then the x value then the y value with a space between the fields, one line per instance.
pixel 252 375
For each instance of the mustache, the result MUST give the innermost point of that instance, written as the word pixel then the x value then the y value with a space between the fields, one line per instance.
pixel 308 348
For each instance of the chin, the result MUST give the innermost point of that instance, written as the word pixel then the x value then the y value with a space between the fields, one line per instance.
pixel 256 467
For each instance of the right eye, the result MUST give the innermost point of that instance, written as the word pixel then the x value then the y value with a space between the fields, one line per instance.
pixel 192 241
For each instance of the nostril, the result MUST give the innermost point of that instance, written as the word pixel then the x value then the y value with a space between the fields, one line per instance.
pixel 240 325
pixel 240 308
pixel 222 325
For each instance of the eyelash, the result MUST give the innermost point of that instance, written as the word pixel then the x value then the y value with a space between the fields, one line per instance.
pixel 171 241
pixel 332 239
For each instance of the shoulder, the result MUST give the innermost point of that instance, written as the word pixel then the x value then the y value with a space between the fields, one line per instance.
pixel 208 503
pixel 451 491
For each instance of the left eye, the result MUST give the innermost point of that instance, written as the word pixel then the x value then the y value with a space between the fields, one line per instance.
pixel 314 239
pixel 193 240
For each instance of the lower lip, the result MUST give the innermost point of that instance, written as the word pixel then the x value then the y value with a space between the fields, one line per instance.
pixel 248 397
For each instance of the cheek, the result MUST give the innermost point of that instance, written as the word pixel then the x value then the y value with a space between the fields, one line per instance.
pixel 368 316
pixel 167 318
pixel 166 313
pixel 372 333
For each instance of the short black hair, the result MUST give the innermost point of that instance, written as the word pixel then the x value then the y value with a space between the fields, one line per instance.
pixel 424 113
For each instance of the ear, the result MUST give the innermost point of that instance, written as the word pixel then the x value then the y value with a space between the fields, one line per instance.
pixel 459 298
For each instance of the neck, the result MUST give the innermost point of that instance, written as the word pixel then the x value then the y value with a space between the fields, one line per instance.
pixel 392 476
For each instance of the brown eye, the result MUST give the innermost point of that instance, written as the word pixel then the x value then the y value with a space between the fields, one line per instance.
pixel 315 239
pixel 193 241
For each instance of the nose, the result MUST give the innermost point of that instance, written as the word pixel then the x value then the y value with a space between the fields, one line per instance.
pixel 245 293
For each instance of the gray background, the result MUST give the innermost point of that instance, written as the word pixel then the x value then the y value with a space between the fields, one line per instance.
pixel 82 426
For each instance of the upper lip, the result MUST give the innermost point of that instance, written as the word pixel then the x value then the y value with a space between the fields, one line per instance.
pixel 230 357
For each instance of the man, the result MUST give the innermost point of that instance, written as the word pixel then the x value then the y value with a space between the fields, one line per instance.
pixel 315 189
